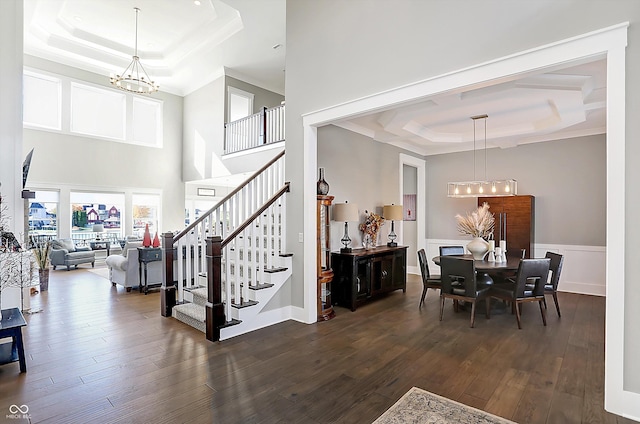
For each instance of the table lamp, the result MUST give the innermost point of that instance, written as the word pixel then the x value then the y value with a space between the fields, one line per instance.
pixel 345 212
pixel 392 213
pixel 98 228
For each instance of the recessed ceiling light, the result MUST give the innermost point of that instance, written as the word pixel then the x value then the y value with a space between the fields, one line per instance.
pixel 77 18
pixel 196 2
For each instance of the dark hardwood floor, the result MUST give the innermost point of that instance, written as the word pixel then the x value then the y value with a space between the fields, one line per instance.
pixel 96 354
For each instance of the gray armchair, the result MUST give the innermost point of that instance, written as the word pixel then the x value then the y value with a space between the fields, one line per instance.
pixel 65 252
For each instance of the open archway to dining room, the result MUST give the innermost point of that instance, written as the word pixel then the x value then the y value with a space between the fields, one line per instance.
pixel 605 44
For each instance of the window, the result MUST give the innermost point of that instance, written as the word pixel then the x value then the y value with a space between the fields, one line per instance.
pixel 97 112
pixel 102 210
pixel 43 215
pixel 147 121
pixel 240 104
pixel 91 110
pixel 146 209
pixel 42 97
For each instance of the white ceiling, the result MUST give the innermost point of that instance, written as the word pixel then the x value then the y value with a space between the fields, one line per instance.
pixel 558 104
pixel 181 45
pixel 184 46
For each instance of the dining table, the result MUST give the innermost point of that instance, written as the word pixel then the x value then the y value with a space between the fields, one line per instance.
pixel 484 268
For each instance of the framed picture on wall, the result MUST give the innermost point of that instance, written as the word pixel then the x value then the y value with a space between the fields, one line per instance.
pixel 409 207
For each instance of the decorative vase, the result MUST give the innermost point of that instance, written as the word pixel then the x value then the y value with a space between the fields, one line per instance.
pixel 156 241
pixel 146 240
pixel 43 275
pixel 478 248
pixel 323 187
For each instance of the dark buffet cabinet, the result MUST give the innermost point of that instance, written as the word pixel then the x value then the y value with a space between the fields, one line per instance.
pixel 364 274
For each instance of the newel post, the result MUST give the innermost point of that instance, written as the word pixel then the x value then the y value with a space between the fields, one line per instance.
pixel 168 289
pixel 214 307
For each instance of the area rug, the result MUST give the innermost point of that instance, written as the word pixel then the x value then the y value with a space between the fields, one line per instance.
pixel 419 406
pixel 102 272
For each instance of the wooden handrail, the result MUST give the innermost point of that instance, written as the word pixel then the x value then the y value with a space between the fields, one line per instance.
pixel 245 224
pixel 227 197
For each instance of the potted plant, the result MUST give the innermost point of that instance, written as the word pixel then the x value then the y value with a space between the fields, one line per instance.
pixel 41 252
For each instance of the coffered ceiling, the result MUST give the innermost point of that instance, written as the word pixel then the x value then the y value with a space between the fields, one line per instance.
pixel 559 104
pixel 184 45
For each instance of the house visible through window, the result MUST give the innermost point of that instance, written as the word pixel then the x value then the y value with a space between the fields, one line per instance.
pixel 96 215
pixel 43 215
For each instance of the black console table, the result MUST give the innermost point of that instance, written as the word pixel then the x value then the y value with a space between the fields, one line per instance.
pixel 363 274
pixel 11 326
pixel 146 255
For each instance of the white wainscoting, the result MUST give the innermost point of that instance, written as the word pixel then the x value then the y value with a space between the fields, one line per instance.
pixel 583 271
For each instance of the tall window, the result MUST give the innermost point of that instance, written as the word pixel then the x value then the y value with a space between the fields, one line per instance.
pixel 44 105
pixel 240 103
pixel 97 112
pixel 96 215
pixel 43 215
pixel 146 208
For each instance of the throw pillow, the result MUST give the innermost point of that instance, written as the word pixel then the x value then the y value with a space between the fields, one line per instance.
pixel 63 244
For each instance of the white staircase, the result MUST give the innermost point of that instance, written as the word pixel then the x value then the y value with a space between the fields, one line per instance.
pixel 247 230
pixel 245 316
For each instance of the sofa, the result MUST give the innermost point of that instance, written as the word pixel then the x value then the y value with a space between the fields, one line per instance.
pixel 64 252
pixel 124 267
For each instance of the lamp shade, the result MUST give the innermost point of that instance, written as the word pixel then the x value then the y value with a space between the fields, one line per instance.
pixel 98 228
pixel 392 212
pixel 345 212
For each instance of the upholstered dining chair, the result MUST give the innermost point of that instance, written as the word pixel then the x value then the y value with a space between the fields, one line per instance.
pixel 551 286
pixel 458 277
pixel 451 250
pixel 428 281
pixel 528 287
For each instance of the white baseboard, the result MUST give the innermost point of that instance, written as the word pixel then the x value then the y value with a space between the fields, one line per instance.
pixel 583 272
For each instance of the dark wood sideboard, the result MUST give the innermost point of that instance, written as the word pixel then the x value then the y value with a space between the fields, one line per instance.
pixel 520 213
pixel 364 274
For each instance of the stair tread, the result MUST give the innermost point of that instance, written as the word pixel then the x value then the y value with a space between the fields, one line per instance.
pixel 191 309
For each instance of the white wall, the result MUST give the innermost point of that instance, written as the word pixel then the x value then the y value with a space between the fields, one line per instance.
pixel 11 124
pixel 85 163
pixel 392 44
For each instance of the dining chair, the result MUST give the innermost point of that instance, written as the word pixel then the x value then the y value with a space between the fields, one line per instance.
pixel 551 286
pixel 428 281
pixel 529 286
pixel 458 278
pixel 451 250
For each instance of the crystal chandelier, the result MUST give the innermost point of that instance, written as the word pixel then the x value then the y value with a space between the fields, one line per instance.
pixel 134 78
pixel 479 188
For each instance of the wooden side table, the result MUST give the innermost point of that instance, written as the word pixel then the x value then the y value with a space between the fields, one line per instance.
pixel 11 326
pixel 146 255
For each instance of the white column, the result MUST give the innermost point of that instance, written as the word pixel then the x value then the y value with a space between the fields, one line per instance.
pixel 11 51
pixel 11 18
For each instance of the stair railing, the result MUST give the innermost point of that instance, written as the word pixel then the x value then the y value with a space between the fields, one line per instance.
pixel 264 127
pixel 239 262
pixel 185 261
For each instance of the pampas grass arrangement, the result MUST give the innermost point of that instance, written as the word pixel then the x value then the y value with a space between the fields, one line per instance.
pixel 478 223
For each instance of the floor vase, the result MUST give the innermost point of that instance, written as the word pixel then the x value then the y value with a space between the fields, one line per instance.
pixel 43 275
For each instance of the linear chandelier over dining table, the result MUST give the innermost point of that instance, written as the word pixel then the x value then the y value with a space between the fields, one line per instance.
pixel 478 188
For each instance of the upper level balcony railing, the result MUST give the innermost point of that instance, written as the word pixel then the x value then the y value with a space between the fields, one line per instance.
pixel 259 129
